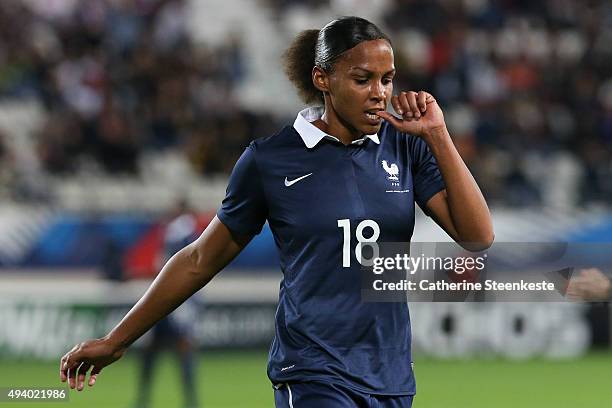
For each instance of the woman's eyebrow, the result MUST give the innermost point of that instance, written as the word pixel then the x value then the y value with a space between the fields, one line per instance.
pixel 366 71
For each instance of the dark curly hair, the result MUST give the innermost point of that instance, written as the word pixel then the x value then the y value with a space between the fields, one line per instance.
pixel 322 48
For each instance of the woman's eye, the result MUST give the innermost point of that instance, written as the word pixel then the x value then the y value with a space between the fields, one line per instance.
pixel 361 81
pixel 387 81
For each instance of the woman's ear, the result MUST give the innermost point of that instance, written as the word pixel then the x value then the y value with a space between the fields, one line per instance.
pixel 320 79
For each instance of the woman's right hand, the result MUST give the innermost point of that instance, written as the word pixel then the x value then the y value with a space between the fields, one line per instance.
pixel 91 355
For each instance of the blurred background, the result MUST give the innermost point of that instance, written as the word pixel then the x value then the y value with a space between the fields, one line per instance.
pixel 114 111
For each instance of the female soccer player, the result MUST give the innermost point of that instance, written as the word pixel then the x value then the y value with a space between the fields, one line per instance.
pixel 344 173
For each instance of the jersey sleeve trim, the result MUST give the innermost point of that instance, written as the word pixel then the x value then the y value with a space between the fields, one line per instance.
pixel 428 194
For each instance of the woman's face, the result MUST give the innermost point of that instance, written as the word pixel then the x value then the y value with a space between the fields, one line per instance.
pixel 359 85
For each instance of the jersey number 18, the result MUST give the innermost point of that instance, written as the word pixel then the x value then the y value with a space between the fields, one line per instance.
pixel 345 224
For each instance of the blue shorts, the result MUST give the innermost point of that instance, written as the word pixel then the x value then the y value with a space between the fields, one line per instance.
pixel 320 395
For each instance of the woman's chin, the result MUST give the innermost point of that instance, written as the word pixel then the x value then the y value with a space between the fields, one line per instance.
pixel 370 129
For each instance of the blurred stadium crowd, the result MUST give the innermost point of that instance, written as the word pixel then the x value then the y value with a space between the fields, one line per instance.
pixel 120 77
pixel 526 87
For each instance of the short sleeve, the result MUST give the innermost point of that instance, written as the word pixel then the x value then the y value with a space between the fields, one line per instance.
pixel 427 180
pixel 244 208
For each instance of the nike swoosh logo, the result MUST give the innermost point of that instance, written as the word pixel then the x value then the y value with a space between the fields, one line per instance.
pixel 289 183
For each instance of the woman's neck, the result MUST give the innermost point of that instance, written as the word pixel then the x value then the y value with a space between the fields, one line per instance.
pixel 331 124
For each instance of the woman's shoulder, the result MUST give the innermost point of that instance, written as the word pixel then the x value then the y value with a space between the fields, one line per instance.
pixel 284 138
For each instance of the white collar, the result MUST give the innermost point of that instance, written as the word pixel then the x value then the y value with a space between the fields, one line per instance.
pixel 311 135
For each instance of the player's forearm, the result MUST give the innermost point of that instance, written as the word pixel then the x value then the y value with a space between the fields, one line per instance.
pixel 183 275
pixel 467 206
pixel 180 278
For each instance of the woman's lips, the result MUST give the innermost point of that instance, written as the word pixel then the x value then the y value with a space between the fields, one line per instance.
pixel 373 118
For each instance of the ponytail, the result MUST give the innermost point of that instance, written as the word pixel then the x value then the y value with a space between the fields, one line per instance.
pixel 299 59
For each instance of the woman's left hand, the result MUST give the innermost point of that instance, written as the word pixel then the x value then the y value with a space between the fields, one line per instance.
pixel 419 111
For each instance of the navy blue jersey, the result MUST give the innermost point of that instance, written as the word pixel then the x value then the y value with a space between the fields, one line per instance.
pixel 318 197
